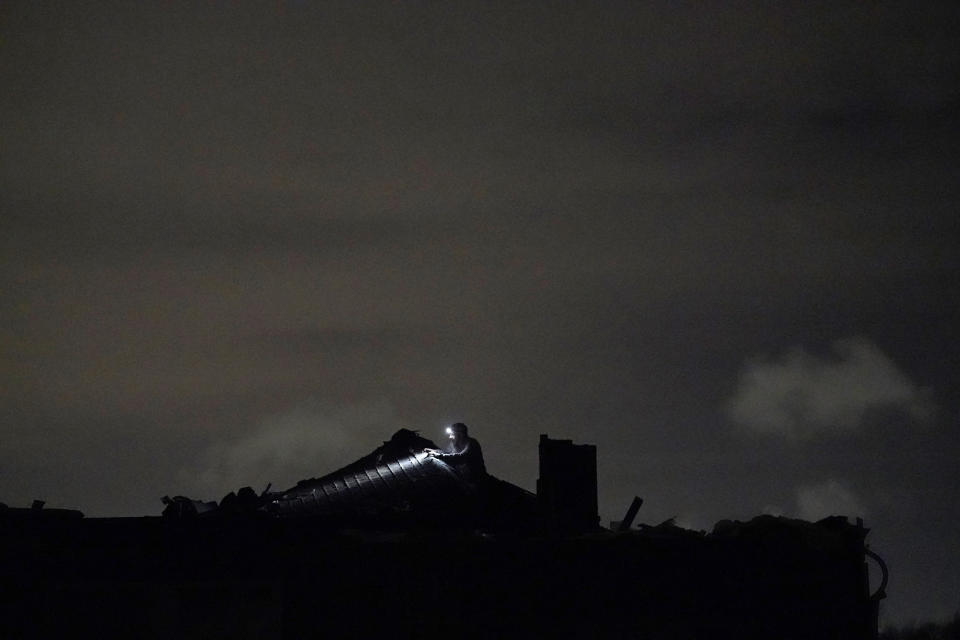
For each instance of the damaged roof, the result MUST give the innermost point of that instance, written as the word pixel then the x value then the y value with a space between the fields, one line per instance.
pixel 395 483
pixel 395 477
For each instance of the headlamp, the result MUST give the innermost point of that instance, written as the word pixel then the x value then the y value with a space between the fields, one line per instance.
pixel 449 431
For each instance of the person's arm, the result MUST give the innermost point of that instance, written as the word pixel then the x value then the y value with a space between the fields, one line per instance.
pixel 449 456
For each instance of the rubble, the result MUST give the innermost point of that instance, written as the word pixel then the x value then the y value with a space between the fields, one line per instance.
pixel 396 544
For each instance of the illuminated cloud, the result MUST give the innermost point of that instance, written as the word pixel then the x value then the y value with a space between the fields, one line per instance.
pixel 801 394
pixel 308 440
pixel 830 498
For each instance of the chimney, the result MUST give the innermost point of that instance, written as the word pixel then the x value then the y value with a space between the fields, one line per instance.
pixel 567 486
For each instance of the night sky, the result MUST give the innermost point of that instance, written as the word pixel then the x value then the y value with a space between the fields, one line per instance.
pixel 245 243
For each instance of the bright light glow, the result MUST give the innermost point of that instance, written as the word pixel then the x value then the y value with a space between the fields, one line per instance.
pixel 449 431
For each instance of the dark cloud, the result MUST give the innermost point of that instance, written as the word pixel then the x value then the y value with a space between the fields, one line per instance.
pixel 236 241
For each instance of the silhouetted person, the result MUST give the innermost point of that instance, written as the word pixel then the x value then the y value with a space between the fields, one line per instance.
pixel 463 453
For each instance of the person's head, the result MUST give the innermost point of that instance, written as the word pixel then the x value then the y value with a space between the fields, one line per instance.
pixel 457 433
